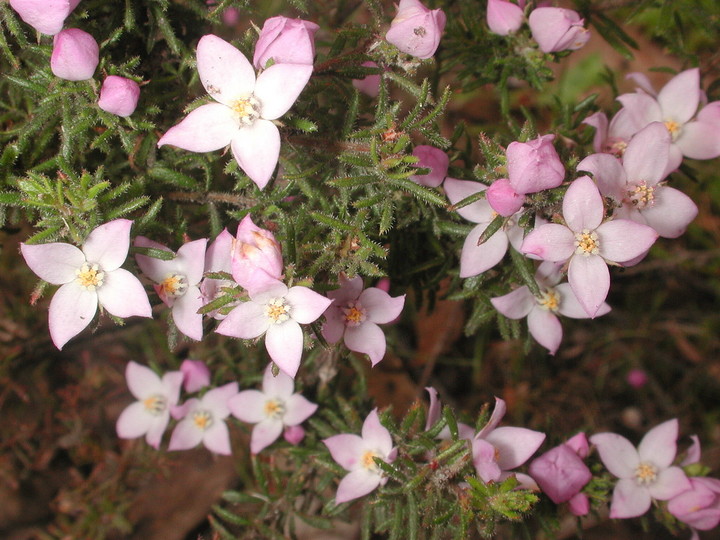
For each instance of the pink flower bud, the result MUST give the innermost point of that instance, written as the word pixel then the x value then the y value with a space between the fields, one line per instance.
pixel 294 434
pixel 231 16
pixel 370 84
pixel 416 30
pixel 504 17
pixel 75 55
pixel 534 166
pixel 579 504
pixel 579 444
pixel 383 284
pixel 434 159
pixel 45 16
pixel 503 199
pixel 256 256
pixel 637 378
pixel 196 375
pixel 119 95
pixel 699 507
pixel 557 29
pixel 286 41
pixel 560 473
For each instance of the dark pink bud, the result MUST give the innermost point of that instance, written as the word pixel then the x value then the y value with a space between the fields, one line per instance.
pixel 504 17
pixel 75 55
pixel 637 378
pixel 370 84
pixel 560 473
pixel 503 199
pixel 119 95
pixel 196 375
pixel 434 159
pixel 45 16
pixel 416 30
pixel 557 29
pixel 286 41
pixel 579 504
pixel 256 256
pixel 534 165
pixel 294 434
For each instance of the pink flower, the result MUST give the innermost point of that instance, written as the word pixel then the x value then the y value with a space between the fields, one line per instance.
pixel 277 312
pixel 588 243
pixel 645 473
pixel 294 434
pixel 119 96
pixel 496 450
pixel 634 184
pixel 256 256
pixel 699 507
pixel 45 16
pixel 272 409
pixel 370 84
pixel 534 165
pixel 355 314
pixel 557 29
pixel 75 55
pixel 218 258
pixel 150 414
pixel 434 159
pixel 504 17
pixel 503 198
pixel 416 30
pixel 203 420
pixel 177 282
pixel 89 276
pixel 476 259
pixel 637 378
pixel 561 473
pixel 357 454
pixel 541 313
pixel 246 107
pixel 196 375
pixel 612 137
pixel 286 41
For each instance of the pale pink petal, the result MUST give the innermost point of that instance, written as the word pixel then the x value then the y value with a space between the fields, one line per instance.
pixel 349 290
pixel 279 86
pixel 642 81
pixel 264 434
pixel 680 97
pixel 185 436
pixel 516 304
pixel 195 375
pixel 172 383
pixel 599 121
pixel 356 484
pixel 216 399
pixel 368 338
pixel 334 326
pixel 71 310
pixel 381 307
pixel 457 190
pixel 134 421
pixel 589 278
pixel 298 409
pixel 156 430
pixel 583 205
pixel 608 173
pixel 515 445
pixel 256 148
pixel 617 454
pixel 693 453
pixel 108 244
pixel 248 406
pixel 142 381
pixel 671 212
pixel 190 260
pixel 207 128
pixel 272 289
pixel 646 156
pixel 246 321
pixel 700 140
pixel 550 242
pixel 659 445
pixel 122 295
pixel 476 259
pixel 621 240
pixel 579 444
pixel 279 385
pixel 224 71
pixel 579 504
pixel 433 413
pixel 218 256
pixel 55 262
pixel 638 111
pixel 545 327
pixel 484 461
pixel 375 435
pixel 217 439
pixel 306 305
pixel 670 482
pixel 497 415
pixel 156 269
pixel 185 313
pixel 284 344
pixel 346 449
pixel 629 500
pixel 675 159
pixel 570 307
pixel 525 481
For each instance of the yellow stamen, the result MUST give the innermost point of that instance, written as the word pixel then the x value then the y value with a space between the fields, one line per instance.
pixel 277 310
pixel 586 243
pixel 174 285
pixel 645 474
pixel 355 314
pixel 550 300
pixel 274 408
pixel 155 405
pixel 246 110
pixel 89 276
pixel 641 195
pixel 202 419
pixel 367 460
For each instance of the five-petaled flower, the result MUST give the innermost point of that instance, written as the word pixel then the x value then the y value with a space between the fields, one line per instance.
pixel 89 276
pixel 245 110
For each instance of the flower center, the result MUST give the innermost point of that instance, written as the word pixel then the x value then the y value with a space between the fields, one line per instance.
pixel 368 462
pixel 615 146
pixel 202 420
pixel 277 310
pixel 586 243
pixel 246 110
pixel 89 276
pixel 640 195
pixel 274 408
pixel 645 474
pixel 155 404
pixel 674 128
pixel 550 300
pixel 174 285
pixel 354 314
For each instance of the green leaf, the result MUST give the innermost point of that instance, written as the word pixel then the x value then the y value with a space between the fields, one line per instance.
pixel 421 192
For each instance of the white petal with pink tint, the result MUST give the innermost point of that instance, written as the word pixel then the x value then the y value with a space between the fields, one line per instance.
pixel 621 240
pixel 224 71
pixel 71 310
pixel 306 304
pixel 284 344
pixel 700 140
pixel 207 128
pixel 582 205
pixel 671 212
pixel 545 328
pixel 476 259
pixel 123 295
pixel 368 339
pixel 55 262
pixel 257 149
pixel 279 86
pixel 680 97
pixel 589 278
pixel 108 244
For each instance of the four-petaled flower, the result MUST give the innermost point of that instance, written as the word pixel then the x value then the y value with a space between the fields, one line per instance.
pixel 89 276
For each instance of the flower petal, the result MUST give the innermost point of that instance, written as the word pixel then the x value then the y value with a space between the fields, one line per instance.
pixel 298 409
pixel 583 205
pixel 516 304
pixel 699 140
pixel 280 385
pixel 646 156
pixel 248 406
pixel 368 338
pixel 156 269
pixel 621 239
pixel 617 454
pixel 55 262
pixel 569 305
pixel 659 445
pixel 264 434
pixel 545 327
pixel 550 242
pixel 134 421
pixel 345 449
pixel 498 412
pixel 284 344
pixel 629 500
pixel 457 190
pixel 246 321
pixel 142 381
pixel 185 313
pixel 122 295
pixel 279 86
pixel 356 484
pixel 71 310
pixel 670 482
pixel 589 278
pixel 108 244
pixel 476 259
pixel 375 435
pixel 680 97
pixel 515 445
pixel 381 307
pixel 191 260
pixel 216 400
pixel 609 174
pixel 224 71
pixel 256 148
pixel 306 305
pixel 334 326
pixel 209 127
pixel 185 436
pixel 217 439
